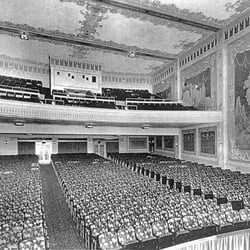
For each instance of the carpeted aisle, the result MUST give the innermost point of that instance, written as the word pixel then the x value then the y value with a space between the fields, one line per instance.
pixel 61 231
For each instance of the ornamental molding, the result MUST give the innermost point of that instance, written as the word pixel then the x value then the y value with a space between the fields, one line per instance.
pixel 33 111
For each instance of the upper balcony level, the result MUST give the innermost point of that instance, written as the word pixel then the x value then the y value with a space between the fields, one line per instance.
pixel 11 110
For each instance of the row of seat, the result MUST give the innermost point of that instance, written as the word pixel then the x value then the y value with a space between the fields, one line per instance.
pixel 123 94
pixel 221 183
pixel 115 206
pixel 151 105
pixel 22 221
pixel 20 82
pixel 76 99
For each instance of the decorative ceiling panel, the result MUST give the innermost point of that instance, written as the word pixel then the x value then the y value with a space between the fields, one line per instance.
pixel 212 11
pixel 93 20
pixel 130 30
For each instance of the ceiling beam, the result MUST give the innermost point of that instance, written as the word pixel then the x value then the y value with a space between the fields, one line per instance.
pixel 157 12
pixel 85 42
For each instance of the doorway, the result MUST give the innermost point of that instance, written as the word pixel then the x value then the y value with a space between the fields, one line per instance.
pixel 44 151
pixel 100 147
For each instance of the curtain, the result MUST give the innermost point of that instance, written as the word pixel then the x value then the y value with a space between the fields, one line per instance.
pixel 239 240
pixel 202 79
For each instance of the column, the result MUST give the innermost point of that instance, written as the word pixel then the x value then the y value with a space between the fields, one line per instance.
pixel 178 76
pixel 90 146
pixel 224 146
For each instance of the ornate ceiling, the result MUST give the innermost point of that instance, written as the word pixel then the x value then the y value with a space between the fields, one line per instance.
pixel 94 21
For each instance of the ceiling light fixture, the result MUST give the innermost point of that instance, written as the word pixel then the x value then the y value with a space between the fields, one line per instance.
pixel 145 126
pixel 89 125
pixel 132 54
pixel 19 123
pixel 24 36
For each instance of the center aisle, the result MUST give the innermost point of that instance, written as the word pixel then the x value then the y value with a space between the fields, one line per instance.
pixel 61 231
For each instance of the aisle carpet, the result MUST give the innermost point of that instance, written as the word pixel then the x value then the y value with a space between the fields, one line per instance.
pixel 61 231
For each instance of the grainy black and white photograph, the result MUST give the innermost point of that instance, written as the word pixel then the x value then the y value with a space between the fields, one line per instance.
pixel 124 124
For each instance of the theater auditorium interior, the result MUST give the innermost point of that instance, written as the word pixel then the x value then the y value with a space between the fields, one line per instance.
pixel 125 124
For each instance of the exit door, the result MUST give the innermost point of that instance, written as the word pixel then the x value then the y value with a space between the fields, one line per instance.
pixel 44 150
pixel 100 148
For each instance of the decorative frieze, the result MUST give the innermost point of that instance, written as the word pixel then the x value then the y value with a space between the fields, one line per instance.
pixel 74 63
pixel 16 64
pixel 236 28
pixel 125 78
pixel 198 52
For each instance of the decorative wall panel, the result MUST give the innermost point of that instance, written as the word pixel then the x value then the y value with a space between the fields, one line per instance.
pixel 72 147
pixel 239 99
pixel 26 148
pixel 199 83
pixel 167 89
pixel 158 142
pixel 112 147
pixel 208 139
pixel 169 142
pixel 137 143
pixel 189 140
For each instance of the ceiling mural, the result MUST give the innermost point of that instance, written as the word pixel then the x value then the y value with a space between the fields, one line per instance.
pixel 39 51
pixel 213 11
pixel 95 21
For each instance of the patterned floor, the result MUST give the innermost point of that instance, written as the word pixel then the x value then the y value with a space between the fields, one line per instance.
pixel 61 231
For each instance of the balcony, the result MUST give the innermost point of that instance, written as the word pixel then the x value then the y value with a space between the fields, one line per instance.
pixel 47 113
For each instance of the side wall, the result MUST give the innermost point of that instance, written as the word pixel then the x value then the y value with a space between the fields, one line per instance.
pixel 238 99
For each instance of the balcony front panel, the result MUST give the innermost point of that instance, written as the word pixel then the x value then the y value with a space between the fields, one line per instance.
pixel 50 113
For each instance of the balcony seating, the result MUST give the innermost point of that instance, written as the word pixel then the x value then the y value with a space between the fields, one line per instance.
pixel 20 89
pixel 156 104
pixel 123 94
pixel 61 97
pixel 22 223
pixel 28 90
